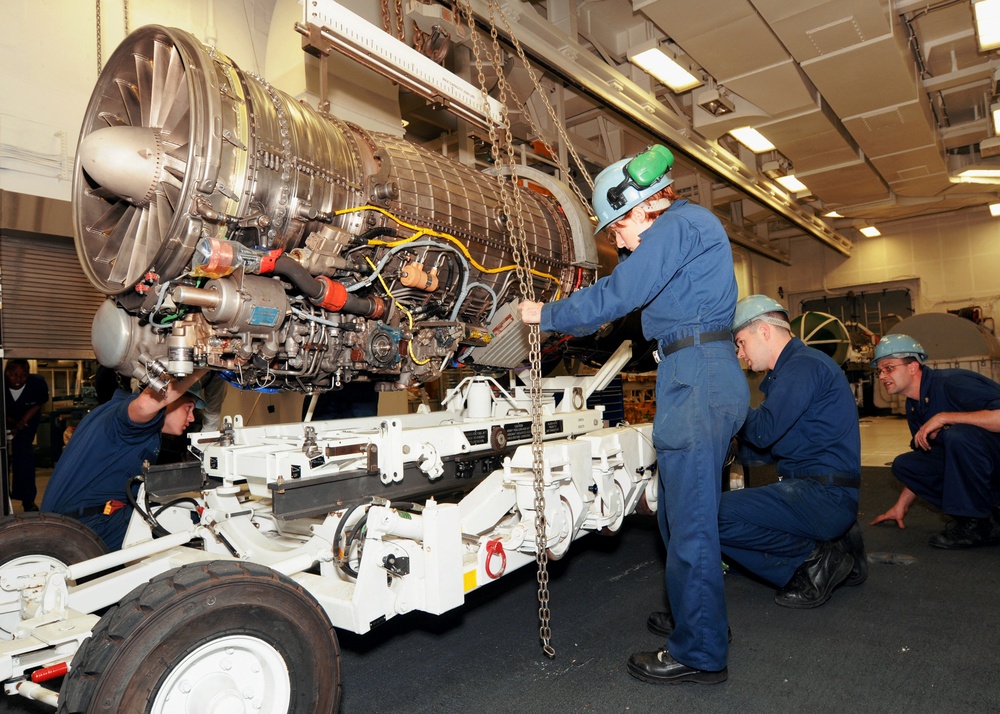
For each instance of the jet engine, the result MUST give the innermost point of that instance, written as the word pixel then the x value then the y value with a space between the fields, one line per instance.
pixel 233 227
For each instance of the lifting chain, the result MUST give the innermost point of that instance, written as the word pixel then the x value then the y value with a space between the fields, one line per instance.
pixel 397 29
pixel 510 193
pixel 560 128
pixel 100 65
pixel 400 30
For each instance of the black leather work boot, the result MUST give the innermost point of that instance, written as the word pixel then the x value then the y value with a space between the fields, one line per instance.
pixel 662 624
pixel 660 668
pixel 826 567
pixel 853 542
pixel 964 532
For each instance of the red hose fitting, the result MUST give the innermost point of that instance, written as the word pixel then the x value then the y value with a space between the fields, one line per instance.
pixel 334 296
pixel 267 262
pixel 495 547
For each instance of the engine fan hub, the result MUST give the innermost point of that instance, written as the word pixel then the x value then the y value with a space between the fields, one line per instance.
pixel 126 160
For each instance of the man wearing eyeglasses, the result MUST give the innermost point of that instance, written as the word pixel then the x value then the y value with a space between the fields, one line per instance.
pixel 954 418
pixel 801 533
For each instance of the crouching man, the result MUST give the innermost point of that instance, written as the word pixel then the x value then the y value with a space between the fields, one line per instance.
pixel 801 533
pixel 954 418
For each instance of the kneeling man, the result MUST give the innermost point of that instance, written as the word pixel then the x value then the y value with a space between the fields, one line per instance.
pixel 801 533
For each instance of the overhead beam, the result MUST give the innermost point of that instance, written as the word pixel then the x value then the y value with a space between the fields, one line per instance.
pixel 566 58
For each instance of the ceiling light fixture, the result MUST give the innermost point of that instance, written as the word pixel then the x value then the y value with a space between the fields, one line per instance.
pixel 980 173
pixel 995 209
pixel 792 184
pixel 716 102
pixel 775 164
pixel 752 139
pixel 664 69
pixel 987 16
pixel 833 214
pixel 777 167
pixel 866 229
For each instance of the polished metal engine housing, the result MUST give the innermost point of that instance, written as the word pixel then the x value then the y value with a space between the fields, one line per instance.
pixel 234 227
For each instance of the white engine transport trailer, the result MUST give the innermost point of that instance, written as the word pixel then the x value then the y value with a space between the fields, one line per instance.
pixel 237 569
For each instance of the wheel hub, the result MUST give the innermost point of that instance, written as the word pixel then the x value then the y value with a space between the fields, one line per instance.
pixel 229 675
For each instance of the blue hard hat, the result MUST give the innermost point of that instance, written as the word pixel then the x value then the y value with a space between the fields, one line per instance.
pixel 198 393
pixel 621 186
pixel 752 307
pixel 898 346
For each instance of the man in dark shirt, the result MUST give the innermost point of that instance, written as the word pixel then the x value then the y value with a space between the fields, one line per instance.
pixel 791 533
pixel 91 481
pixel 24 396
pixel 954 418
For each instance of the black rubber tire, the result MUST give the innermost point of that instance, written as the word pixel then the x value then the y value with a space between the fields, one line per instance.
pixel 50 535
pixel 137 643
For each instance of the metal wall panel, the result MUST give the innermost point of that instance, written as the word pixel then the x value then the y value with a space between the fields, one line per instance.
pixel 48 303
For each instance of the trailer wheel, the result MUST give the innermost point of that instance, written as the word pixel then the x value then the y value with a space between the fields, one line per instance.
pixel 47 537
pixel 209 637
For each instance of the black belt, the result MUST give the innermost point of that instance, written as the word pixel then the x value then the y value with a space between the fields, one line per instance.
pixel 663 352
pixel 845 480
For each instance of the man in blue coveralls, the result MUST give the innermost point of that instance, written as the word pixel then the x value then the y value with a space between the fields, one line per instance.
pixel 790 533
pixel 954 418
pixel 91 479
pixel 679 273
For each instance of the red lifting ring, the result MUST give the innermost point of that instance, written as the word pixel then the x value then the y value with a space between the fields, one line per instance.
pixel 495 547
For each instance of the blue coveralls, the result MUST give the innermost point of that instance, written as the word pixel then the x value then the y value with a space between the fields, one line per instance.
pixel 961 472
pixel 681 276
pixel 22 449
pixel 808 424
pixel 106 450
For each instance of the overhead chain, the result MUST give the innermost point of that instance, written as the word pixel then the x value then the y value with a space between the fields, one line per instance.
pixel 400 30
pixel 552 152
pixel 552 114
pixel 396 29
pixel 100 64
pixel 100 42
pixel 510 194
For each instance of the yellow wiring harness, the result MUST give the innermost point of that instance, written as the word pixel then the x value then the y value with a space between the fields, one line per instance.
pixel 418 232
pixel 409 315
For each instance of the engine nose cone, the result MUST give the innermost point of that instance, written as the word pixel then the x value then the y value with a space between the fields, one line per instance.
pixel 126 160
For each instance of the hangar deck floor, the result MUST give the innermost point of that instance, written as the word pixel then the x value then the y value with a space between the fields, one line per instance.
pixel 918 636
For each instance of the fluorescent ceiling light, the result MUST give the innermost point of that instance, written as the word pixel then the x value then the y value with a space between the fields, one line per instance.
pixel 995 209
pixel 791 183
pixel 752 139
pixel 974 172
pixel 656 63
pixel 995 111
pixel 987 14
pixel 869 231
pixel 832 214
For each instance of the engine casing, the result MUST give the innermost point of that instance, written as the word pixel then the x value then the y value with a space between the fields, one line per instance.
pixel 234 227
